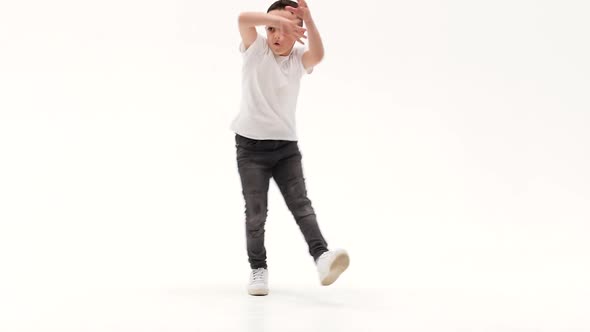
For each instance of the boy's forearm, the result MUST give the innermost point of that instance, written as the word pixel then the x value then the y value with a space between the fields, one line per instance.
pixel 316 47
pixel 253 19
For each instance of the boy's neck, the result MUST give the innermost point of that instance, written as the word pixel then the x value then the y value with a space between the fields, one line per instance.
pixel 288 53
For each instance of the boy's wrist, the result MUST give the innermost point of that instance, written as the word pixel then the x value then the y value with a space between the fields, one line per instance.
pixel 279 20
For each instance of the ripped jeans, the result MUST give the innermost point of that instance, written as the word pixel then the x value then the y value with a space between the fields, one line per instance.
pixel 258 161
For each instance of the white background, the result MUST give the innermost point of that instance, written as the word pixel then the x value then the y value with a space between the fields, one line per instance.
pixel 445 145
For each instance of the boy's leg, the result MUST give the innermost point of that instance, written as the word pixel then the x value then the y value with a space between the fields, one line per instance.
pixel 288 174
pixel 255 176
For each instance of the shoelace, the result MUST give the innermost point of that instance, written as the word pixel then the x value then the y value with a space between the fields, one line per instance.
pixel 258 274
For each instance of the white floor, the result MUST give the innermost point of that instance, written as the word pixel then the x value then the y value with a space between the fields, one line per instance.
pixel 292 308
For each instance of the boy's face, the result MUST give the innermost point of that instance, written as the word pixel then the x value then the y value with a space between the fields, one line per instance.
pixel 279 43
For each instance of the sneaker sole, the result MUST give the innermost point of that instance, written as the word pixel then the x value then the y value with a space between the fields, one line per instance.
pixel 339 265
pixel 258 292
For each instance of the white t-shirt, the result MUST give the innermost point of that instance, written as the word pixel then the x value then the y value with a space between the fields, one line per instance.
pixel 270 86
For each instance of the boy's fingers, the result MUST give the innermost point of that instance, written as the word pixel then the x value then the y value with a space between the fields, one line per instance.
pixel 298 36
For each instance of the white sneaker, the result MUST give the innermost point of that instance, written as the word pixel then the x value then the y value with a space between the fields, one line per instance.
pixel 258 282
pixel 331 264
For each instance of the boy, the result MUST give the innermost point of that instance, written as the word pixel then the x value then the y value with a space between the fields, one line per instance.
pixel 266 138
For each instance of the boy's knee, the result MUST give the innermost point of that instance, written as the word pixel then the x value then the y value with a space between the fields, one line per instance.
pixel 256 204
pixel 300 207
pixel 255 227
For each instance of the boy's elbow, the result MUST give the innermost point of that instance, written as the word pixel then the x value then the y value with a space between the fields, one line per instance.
pixel 241 18
pixel 312 58
pixel 321 56
pixel 317 54
pixel 318 57
pixel 244 18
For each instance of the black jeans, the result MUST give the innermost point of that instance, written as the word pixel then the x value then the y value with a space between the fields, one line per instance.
pixel 258 161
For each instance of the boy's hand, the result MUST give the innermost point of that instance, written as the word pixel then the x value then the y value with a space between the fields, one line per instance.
pixel 292 28
pixel 302 11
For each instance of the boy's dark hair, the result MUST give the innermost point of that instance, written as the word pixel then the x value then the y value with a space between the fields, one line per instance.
pixel 281 4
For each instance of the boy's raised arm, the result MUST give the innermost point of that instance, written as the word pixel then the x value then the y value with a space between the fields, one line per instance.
pixel 315 54
pixel 247 22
